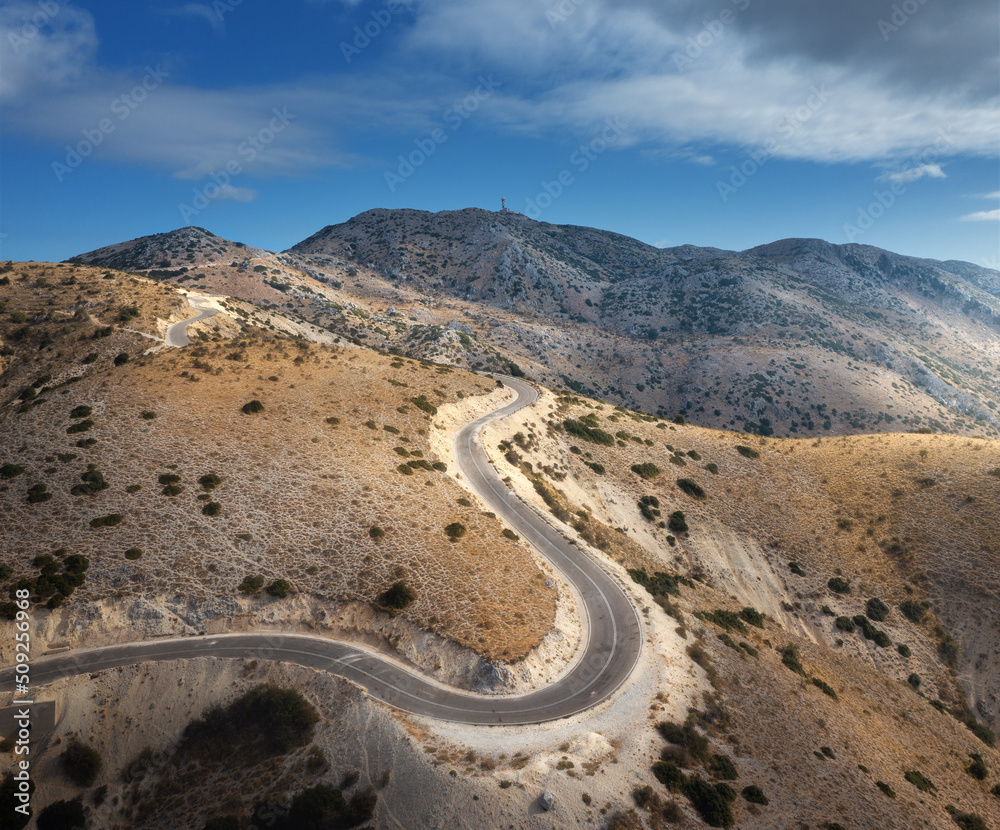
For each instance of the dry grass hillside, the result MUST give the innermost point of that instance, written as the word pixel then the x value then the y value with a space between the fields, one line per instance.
pixel 310 490
pixel 737 522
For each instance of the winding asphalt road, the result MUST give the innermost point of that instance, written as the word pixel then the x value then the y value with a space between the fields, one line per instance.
pixel 177 332
pixel 607 659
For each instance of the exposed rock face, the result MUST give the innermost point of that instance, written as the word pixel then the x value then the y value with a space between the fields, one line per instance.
pixel 493 678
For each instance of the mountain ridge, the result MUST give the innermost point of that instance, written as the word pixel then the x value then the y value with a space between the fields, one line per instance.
pixel 766 340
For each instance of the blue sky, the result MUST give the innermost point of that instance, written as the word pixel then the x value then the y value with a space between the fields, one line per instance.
pixel 728 123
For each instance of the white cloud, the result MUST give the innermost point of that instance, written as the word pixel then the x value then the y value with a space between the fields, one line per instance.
pixel 203 11
pixel 237 194
pixel 602 62
pixel 37 59
pixel 931 171
pixel 558 77
pixel 994 195
pixel 982 216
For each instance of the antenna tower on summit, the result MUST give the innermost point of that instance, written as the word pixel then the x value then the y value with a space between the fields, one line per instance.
pixel 503 205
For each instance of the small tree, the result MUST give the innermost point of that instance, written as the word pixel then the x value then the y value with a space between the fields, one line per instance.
pixel 81 763
pixel 279 588
pixel 397 596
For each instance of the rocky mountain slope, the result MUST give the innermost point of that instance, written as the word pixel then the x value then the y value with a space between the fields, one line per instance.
pixel 799 337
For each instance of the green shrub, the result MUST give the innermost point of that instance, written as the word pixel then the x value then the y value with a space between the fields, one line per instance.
pixel 839 585
pixel 747 452
pixel 455 531
pixel 755 795
pixel 148 415
pixel 796 569
pixel 82 426
pixel 969 821
pixel 790 659
pixel 38 493
pixel 405 469
pixel 86 442
pixel 376 532
pixel 677 522
pixel 172 490
pixel 752 616
pixel 914 680
pixel 279 588
pixel 333 421
pixel 870 632
pixel 904 651
pixel 324 808
pixel 81 412
pixel 670 775
pixel 251 584
pixel 264 722
pixel 92 481
pixel 642 796
pixel 981 731
pixel 876 610
pixel 824 687
pixel 658 584
pixel 726 620
pixel 121 359
pixel 996 789
pixel 646 470
pixel 8 471
pixel 978 767
pixel 649 507
pixel 691 487
pixel 210 481
pixel 846 624
pixel 397 596
pixel 81 763
pixel 213 508
pixel 711 805
pixel 60 815
pixel 722 767
pixel 424 405
pixel 588 432
pixel 912 610
pixel 510 534
pixel 885 788
pixel 133 554
pixel 919 780
pixel 252 407
pixel 713 468
pixel 90 358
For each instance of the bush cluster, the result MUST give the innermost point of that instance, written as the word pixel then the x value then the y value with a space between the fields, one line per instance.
pixel 691 487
